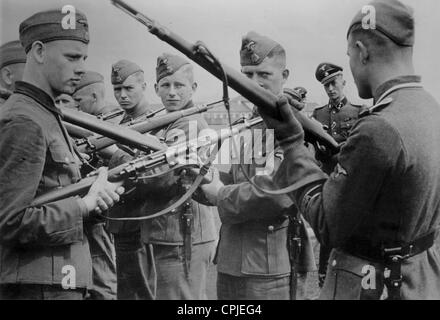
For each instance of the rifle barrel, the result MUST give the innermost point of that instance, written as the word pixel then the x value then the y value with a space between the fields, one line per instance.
pixel 118 133
pixel 263 99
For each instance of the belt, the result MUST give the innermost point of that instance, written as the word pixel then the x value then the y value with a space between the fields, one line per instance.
pixel 381 254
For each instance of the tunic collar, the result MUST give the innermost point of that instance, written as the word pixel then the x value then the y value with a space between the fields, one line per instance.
pixel 38 95
pixel 395 82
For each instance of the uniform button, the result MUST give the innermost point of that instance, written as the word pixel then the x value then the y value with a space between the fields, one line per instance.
pixel 334 112
pixel 334 263
pixel 335 133
pixel 271 228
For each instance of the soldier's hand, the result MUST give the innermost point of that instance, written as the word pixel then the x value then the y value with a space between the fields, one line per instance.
pixel 287 128
pixel 102 194
pixel 212 189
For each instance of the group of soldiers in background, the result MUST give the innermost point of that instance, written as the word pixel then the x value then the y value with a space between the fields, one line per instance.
pixel 380 192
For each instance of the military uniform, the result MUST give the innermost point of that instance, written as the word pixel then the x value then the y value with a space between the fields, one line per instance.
pixel 38 244
pixel 134 264
pixel 252 251
pixel 182 252
pixel 102 247
pixel 382 200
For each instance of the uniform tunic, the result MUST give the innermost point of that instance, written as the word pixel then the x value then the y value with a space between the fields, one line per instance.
pixel 36 156
pixel 385 191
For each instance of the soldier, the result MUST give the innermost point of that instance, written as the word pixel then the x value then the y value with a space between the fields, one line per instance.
pixel 252 255
pixel 183 242
pixel 90 95
pixel 12 60
pixel 134 264
pixel 380 208
pixel 337 117
pixel 45 254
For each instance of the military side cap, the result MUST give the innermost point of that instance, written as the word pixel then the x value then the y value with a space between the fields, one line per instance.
pixel 255 48
pixel 302 91
pixel 49 26
pixel 393 19
pixel 292 93
pixel 167 64
pixel 122 69
pixel 327 71
pixel 12 52
pixel 88 78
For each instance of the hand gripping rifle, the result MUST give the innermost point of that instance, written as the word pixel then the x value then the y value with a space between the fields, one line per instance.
pixel 142 167
pixel 260 97
pixel 144 125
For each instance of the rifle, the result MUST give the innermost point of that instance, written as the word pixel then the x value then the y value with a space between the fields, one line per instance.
pixel 96 143
pixel 118 133
pixel 147 163
pixel 263 99
pixel 111 115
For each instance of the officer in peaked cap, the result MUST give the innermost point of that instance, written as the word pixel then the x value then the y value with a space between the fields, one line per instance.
pixel 12 61
pixel 337 117
pixel 45 247
pixel 380 207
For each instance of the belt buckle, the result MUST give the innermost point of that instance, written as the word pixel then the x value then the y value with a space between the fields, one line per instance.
pixel 395 254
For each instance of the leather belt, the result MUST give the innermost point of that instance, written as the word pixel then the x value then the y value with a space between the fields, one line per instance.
pixel 380 254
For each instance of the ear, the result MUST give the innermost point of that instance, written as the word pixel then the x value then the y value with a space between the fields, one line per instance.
pixel 95 96
pixel 286 74
pixel 144 86
pixel 6 75
pixel 38 51
pixel 156 88
pixel 194 87
pixel 364 54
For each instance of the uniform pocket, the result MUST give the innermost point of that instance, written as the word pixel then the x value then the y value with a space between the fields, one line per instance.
pixel 66 169
pixel 351 278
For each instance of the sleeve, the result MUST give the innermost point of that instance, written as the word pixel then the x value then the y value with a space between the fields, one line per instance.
pixel 22 160
pixel 336 207
pixel 238 203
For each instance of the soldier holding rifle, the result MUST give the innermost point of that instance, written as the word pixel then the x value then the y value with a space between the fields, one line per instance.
pixel 43 245
pixel 379 209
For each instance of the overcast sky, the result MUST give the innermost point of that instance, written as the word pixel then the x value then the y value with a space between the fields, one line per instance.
pixel 311 31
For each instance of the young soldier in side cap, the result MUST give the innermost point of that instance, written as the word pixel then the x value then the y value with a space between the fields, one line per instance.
pixel 12 60
pixel 134 264
pixel 337 117
pixel 252 255
pixel 45 247
pixel 90 95
pixel 380 208
pixel 183 242
pixel 90 98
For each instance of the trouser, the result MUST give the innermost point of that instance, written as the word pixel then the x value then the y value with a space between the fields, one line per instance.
pixel 174 281
pixel 136 272
pixel 102 250
pixel 19 291
pixel 252 288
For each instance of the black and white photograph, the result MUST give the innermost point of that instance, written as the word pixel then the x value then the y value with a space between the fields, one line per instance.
pixel 236 151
